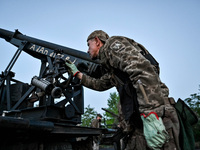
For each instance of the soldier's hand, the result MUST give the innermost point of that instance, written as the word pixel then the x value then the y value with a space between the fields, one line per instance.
pixel 72 67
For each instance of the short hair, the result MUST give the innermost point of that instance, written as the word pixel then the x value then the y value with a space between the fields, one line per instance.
pixel 99 115
pixel 103 36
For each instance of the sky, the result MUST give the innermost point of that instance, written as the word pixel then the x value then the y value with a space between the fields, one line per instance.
pixel 168 29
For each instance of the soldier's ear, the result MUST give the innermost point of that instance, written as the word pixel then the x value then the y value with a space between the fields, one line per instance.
pixel 98 41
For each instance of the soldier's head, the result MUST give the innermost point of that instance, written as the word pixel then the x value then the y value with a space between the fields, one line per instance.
pixel 99 117
pixel 95 41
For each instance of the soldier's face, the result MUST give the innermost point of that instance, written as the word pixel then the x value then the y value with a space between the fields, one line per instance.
pixel 93 48
pixel 99 118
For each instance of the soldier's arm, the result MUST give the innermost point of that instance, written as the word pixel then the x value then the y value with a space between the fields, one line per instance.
pixel 100 84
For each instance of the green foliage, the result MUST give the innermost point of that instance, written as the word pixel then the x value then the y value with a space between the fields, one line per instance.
pixel 88 116
pixel 112 106
pixel 90 113
pixel 194 103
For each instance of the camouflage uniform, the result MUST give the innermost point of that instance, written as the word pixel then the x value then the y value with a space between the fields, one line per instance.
pixel 96 139
pixel 125 55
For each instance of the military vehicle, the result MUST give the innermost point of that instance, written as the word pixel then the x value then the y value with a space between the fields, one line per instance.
pixel 54 122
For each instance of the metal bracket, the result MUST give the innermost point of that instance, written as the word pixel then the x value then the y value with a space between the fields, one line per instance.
pixel 7 75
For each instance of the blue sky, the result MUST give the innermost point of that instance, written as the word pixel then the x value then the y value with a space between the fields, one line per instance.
pixel 168 29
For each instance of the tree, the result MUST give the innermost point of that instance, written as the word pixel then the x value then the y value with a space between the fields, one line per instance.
pixel 112 106
pixel 194 103
pixel 88 116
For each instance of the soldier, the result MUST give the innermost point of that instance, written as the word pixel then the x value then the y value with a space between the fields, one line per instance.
pixel 135 73
pixel 96 123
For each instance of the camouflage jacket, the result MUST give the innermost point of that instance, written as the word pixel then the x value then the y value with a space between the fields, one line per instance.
pixel 95 123
pixel 125 55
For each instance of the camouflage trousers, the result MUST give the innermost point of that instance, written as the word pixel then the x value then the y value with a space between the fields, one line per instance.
pixel 170 119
